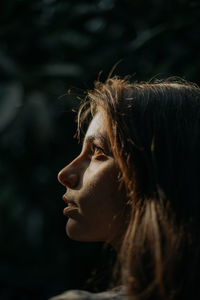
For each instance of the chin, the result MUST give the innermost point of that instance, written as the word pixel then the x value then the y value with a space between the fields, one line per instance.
pixel 75 232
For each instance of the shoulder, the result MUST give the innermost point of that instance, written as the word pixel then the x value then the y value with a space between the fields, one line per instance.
pixel 118 293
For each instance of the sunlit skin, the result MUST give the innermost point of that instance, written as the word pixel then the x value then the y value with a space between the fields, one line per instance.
pixel 96 213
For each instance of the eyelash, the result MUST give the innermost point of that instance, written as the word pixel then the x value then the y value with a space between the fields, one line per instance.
pixel 98 152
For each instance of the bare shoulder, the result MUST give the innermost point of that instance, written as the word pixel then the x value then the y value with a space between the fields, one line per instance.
pixel 118 293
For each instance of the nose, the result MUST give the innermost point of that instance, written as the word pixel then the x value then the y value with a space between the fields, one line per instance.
pixel 68 177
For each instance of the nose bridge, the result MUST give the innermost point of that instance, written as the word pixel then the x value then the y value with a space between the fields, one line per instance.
pixel 69 175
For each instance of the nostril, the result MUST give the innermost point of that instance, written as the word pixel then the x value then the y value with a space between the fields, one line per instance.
pixel 68 180
pixel 72 180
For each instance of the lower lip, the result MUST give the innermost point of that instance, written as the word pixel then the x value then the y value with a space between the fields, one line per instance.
pixel 69 211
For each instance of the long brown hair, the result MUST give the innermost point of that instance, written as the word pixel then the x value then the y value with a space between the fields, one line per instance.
pixel 154 130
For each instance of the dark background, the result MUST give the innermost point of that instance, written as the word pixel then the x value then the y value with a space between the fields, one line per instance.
pixel 48 47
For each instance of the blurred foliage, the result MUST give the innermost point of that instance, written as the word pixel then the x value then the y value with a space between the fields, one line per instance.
pixel 48 47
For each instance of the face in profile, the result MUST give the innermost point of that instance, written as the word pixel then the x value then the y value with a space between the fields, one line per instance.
pixel 94 203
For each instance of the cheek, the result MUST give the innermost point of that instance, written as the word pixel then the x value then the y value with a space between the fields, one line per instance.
pixel 101 195
pixel 101 207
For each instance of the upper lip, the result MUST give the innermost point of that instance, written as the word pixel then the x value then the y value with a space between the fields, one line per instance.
pixel 66 200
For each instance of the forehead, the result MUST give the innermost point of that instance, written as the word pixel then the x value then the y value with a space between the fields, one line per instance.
pixel 97 133
pixel 97 126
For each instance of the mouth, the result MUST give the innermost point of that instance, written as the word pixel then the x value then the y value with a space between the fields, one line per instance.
pixel 71 208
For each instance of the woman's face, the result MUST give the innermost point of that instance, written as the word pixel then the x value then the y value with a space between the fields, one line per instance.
pixel 94 202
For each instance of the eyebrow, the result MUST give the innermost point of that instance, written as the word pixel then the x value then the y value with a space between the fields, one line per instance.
pixel 99 138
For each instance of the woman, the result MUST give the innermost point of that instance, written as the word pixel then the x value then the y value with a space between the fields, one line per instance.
pixel 135 185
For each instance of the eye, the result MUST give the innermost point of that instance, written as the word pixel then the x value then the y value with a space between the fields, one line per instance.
pixel 98 152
